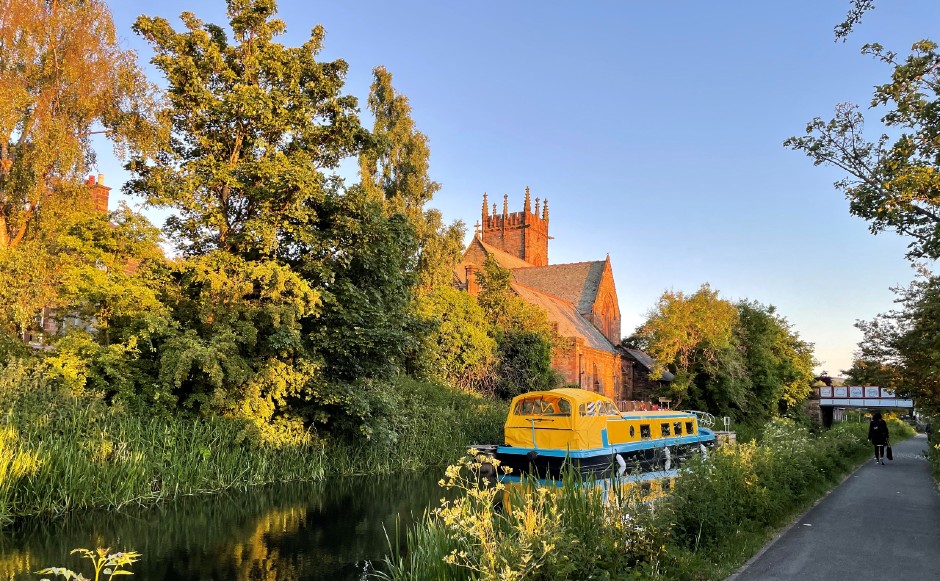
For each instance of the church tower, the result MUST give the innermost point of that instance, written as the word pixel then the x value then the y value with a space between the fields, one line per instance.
pixel 522 234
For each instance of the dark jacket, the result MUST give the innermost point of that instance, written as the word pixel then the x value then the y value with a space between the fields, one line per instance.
pixel 878 432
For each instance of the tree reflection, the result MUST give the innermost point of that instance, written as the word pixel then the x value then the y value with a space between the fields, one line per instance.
pixel 326 530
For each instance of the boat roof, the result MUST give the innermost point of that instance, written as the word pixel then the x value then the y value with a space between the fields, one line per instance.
pixel 576 394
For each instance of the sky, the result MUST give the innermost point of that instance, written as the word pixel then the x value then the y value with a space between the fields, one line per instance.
pixel 654 129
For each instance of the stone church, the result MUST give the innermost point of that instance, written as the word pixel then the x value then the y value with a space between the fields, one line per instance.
pixel 580 299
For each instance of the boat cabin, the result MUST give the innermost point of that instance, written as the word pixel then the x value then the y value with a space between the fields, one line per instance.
pixel 576 419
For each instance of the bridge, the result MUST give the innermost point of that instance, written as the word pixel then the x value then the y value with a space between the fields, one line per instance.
pixel 835 398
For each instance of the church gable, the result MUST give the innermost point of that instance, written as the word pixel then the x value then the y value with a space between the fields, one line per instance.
pixel 605 310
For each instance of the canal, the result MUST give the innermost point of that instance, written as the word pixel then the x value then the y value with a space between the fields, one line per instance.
pixel 332 530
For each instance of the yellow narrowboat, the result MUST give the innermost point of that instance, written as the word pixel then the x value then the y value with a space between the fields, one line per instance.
pixel 548 430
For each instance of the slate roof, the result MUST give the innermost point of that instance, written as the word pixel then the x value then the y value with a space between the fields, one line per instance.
pixel 647 362
pixel 565 315
pixel 576 282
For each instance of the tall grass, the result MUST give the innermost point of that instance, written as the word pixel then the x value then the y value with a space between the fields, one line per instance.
pixel 61 451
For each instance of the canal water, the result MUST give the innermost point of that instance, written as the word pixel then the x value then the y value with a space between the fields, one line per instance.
pixel 332 530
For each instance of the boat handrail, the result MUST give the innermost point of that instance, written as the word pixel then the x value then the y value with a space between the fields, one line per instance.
pixel 704 418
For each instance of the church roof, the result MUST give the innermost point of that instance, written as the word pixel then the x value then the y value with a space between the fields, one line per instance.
pixel 477 249
pixel 576 282
pixel 564 314
pixel 647 362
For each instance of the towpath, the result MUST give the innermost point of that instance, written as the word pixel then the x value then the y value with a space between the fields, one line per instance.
pixel 882 522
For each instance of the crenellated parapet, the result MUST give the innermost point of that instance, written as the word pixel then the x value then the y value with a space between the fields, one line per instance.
pixel 522 234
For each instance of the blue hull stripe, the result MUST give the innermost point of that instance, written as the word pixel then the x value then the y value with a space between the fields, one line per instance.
pixel 641 477
pixel 606 450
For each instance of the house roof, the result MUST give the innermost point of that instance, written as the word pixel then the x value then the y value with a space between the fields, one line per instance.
pixel 647 362
pixel 564 314
pixel 576 282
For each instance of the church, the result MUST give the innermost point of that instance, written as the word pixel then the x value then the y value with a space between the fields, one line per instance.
pixel 580 299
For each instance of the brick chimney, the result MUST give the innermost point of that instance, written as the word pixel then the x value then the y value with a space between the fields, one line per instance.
pixel 99 193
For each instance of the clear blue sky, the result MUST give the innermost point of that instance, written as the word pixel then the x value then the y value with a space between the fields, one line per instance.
pixel 655 130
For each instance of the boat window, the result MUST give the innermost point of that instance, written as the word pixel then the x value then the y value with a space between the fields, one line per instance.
pixel 645 431
pixel 632 432
pixel 688 428
pixel 646 486
pixel 667 485
pixel 564 408
pixel 677 428
pixel 533 407
pixel 598 408
pixel 664 429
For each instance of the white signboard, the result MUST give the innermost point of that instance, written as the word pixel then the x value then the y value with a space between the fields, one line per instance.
pixel 825 391
pixel 855 391
pixel 872 392
pixel 841 392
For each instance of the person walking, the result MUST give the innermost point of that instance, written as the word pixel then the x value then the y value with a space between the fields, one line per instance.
pixel 878 436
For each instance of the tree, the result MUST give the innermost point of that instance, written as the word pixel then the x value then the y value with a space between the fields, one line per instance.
pixel 254 126
pixel 740 359
pixel 362 260
pixel 459 349
pixel 893 183
pixel 523 333
pixel 394 167
pixel 899 349
pixel 685 332
pixel 63 77
pixel 779 364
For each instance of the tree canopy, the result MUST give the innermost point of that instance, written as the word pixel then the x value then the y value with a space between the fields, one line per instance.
pixel 63 77
pixel 892 181
pixel 900 349
pixel 738 359
pixel 254 126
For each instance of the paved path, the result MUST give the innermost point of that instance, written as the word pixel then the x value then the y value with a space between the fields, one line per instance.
pixel 883 522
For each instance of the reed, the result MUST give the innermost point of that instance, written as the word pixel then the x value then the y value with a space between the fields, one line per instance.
pixel 61 451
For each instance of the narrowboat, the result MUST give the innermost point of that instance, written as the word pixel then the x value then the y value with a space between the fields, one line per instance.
pixel 546 431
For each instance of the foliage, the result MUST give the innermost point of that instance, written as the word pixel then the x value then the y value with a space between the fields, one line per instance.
pixel 103 561
pixel 892 182
pixel 362 261
pixel 394 167
pixel 524 336
pixel 743 360
pixel 458 348
pixel 525 364
pixel 64 77
pixel 254 125
pixel 574 531
pixel 779 363
pixel 899 348
pixel 68 449
pixel 693 334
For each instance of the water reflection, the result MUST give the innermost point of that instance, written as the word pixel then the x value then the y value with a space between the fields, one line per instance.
pixel 328 530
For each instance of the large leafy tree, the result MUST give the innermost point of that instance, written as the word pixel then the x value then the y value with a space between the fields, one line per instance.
pixel 255 126
pixel 63 77
pixel 779 363
pixel 693 335
pixel 394 167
